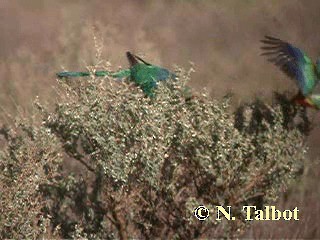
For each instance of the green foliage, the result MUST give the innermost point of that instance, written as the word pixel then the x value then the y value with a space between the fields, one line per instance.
pixel 147 163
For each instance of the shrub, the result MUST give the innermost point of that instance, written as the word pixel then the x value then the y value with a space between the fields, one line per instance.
pixel 30 159
pixel 147 163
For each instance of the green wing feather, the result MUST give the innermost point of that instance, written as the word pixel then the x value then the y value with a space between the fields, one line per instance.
pixel 147 76
pixel 293 61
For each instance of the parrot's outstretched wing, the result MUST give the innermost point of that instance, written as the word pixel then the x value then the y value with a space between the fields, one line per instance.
pixel 293 61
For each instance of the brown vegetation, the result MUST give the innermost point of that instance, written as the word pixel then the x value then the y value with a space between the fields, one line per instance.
pixel 38 38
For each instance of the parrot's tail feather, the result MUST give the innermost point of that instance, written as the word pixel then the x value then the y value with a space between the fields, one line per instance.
pixel 82 74
pixel 72 74
pixel 102 73
pixel 119 75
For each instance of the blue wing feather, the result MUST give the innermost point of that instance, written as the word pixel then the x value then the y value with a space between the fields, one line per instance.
pixel 293 61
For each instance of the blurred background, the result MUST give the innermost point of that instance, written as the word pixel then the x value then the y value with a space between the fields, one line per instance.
pixel 221 38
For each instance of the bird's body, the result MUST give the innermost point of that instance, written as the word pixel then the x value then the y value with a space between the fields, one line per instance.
pixel 298 66
pixel 142 73
pixel 147 75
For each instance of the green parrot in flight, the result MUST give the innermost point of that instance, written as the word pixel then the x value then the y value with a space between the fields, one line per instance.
pixel 142 73
pixel 298 66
